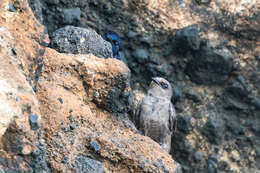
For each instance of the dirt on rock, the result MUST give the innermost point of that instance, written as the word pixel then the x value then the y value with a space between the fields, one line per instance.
pixel 208 50
pixel 213 68
pixel 65 112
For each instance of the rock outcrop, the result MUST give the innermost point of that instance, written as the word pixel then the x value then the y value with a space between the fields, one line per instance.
pixel 78 40
pixel 208 50
pixel 65 112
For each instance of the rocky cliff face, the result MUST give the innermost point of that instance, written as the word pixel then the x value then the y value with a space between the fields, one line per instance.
pixel 65 112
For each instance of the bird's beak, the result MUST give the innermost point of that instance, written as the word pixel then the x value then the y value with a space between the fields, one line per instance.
pixel 155 81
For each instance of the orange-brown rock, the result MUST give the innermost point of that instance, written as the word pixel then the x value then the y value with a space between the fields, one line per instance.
pixel 57 109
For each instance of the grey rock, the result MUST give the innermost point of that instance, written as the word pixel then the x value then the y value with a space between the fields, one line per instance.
pixel 198 156
pixel 213 130
pixel 241 79
pixel 52 2
pixel 71 16
pixel 86 165
pixel 187 38
pixel 70 117
pixel 256 103
pixel 235 128
pixel 258 57
pixel 36 7
pixel 131 34
pixel 211 166
pixel 204 2
pixel 73 126
pixel 210 66
pixel 141 55
pixel 39 163
pixel 184 124
pixel 65 129
pixel 214 157
pixel 146 39
pixel 60 145
pixel 78 40
pixel 212 163
pixel 177 93
pixel 193 95
pixel 237 90
pixel 255 78
pixel 234 104
pixel 33 120
pixel 157 70
pixel 60 100
pixel 118 100
pixel 95 146
pixel 155 59
pixel 11 7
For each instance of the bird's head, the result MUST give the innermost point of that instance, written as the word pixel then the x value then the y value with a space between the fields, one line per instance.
pixel 114 39
pixel 160 87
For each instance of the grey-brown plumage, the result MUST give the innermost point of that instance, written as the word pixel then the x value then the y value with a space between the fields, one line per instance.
pixel 156 115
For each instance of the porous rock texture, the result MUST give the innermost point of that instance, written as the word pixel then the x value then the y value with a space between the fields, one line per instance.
pixel 208 50
pixel 78 40
pixel 65 112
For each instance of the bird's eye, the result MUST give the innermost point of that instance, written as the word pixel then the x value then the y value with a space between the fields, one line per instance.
pixel 164 85
pixel 108 39
pixel 115 42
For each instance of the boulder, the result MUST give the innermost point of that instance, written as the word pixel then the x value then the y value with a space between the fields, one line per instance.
pixel 210 66
pixel 76 40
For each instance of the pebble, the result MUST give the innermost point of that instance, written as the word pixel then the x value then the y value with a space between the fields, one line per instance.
pixel 73 126
pixel 212 166
pixel 27 149
pixel 65 129
pixel 70 117
pixel 60 100
pixel 11 7
pixel 198 156
pixel 141 55
pixel 95 146
pixel 33 120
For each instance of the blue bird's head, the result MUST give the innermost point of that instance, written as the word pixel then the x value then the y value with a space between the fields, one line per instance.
pixel 115 41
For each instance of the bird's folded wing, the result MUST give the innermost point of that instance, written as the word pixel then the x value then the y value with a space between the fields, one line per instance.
pixel 172 118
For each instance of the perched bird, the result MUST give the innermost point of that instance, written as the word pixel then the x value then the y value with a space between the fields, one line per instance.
pixel 114 39
pixel 156 115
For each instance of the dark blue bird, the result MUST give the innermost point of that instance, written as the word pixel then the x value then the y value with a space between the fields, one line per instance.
pixel 114 39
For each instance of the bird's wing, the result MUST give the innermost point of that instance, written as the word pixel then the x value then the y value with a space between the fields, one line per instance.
pixel 138 114
pixel 172 118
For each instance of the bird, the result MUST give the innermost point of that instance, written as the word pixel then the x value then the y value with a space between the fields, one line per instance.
pixel 114 39
pixel 156 115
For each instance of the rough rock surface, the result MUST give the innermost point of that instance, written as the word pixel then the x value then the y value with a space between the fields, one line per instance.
pixel 210 93
pixel 78 40
pixel 63 112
